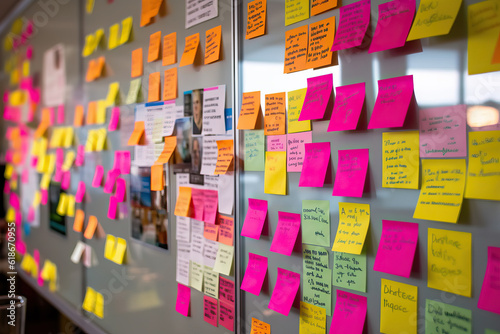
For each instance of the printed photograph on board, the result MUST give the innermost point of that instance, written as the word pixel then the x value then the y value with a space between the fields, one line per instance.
pixel 182 154
pixel 196 152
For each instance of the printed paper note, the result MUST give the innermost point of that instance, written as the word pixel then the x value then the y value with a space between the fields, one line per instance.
pixel 349 102
pixel 319 90
pixel 312 319
pixel 295 102
pixel 256 18
pixel 400 160
pixel 198 11
pixel 285 290
pixel 296 41
pixel 398 307
pixel 254 151
pixel 317 277
pixel 349 271
pixel 316 161
pixel 276 143
pixel 316 222
pixel 214 99
pixel 434 18
pixel 490 290
pixel 254 274
pixel 286 233
pixel 213 38
pixel 354 220
pixel 353 22
pixel 190 49
pixel 445 318
pixel 182 267
pixel 274 119
pixel 351 172
pixel 250 109
pixel 295 11
pixel 275 173
pixel 349 314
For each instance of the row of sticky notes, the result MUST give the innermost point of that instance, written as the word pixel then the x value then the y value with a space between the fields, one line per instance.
pixel 115 39
pixel 96 140
pixel 61 137
pixel 169 89
pixel 94 302
pixel 78 223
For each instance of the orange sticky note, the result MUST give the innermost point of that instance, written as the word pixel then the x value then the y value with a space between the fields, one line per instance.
pixel 101 61
pixel 256 19
pixel 274 119
pixel 91 227
pixel 44 123
pixel 154 46
pixel 78 120
pixel 169 49
pixel 91 113
pixel 320 43
pixel 170 84
pixel 79 218
pixel 168 149
pixel 224 156
pixel 496 53
pixel 190 49
pixel 149 9
pixel 154 87
pixel 213 39
pixel 157 179
pixel 320 6
pixel 226 230
pixel 136 70
pixel 136 135
pixel 249 112
pixel 183 204
pixel 91 69
pixel 211 231
pixel 296 49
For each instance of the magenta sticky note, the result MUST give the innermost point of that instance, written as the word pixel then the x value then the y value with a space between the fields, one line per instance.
pixel 125 163
pixel 99 172
pixel 59 157
pixel 254 274
pixel 80 192
pixel 286 233
pixel 80 155
pixel 31 214
pixel 351 172
pixel 115 117
pixel 20 247
pixel 255 218
pixel 66 180
pixel 197 202
pixel 29 52
pixel 226 315
pixel 393 99
pixel 111 177
pixel 349 314
pixel 183 299
pixel 36 257
pixel 394 23
pixel 490 290
pixel 210 204
pixel 45 196
pixel 210 310
pixel 396 249
pixel 120 189
pixel 113 205
pixel 316 160
pixel 285 290
pixel 353 22
pixel 318 93
pixel 443 132
pixel 295 150
pixel 14 201
pixel 34 162
pixel 19 218
pixel 276 143
pixel 226 290
pixel 60 114
pixel 349 102
pixel 6 188
pixel 58 174
pixel 6 96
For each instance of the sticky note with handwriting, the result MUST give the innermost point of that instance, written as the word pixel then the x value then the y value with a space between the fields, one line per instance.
pixel 275 173
pixel 434 18
pixel 256 18
pixel 225 156
pixel 254 274
pixel 490 290
pixel 320 6
pixel 295 11
pixel 312 319
pixel 398 307
pixel 213 40
pixel 446 318
pixel 286 233
pixel 226 230
pixel 260 327
pixel 351 172
pixel 170 84
pixel 316 162
pixel 354 220
pixel 295 102
pixel 226 290
pixel 154 46
pixel 349 102
pixel 255 218
pixel 275 114
pixel 296 49
pixel 349 314
pixel 349 271
pixel 285 290
pixel 353 23
pixel 250 109
pixel 190 49
pixel 296 150
pixel 319 90
pixel 320 41
pixel 169 56
pixel 183 203
pixel 136 67
pixel 226 315
pixel 276 143
pixel 154 83
pixel 400 160
pixel 224 259
pixel 210 309
pixel 316 222
pixel 183 299
pixel 317 277
pixel 254 151
pixel 198 205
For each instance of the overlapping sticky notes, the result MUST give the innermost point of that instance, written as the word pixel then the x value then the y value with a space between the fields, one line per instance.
pixel 316 162
pixel 260 327
pixel 154 46
pixel 210 205
pixel 285 290
pixel 296 49
pixel 483 178
pixel 149 10
pixel 354 220
pixel 296 150
pixel 254 151
pixel 114 249
pixel 446 318
pixel 154 87
pixel 225 155
pixel 213 38
pixel 250 109
pixel 91 227
pixel 483 32
pixel 449 261
pixel 198 205
pixel 312 319
pixel 396 249
pixel 443 132
pixel 183 204
pixel 168 149
pixel 351 172
pixel 210 310
pixel 190 50
pixel 226 315
pixel 296 11
pixel 170 84
pixel 256 18
pixel 393 99
pixel 275 173
pixel 183 299
pixel 224 259
pixel 443 183
pixel 319 90
pixel 93 302
pixel 349 271
pixel 136 67
pixel 133 91
pixel 317 277
pixel 276 143
pixel 353 22
pixel 135 137
pixel 275 114
pixel 490 290
pixel 316 222
pixel 169 56
pixel 400 160
pixel 210 282
pixel 114 36
pixel 255 218
pixel 321 35
pixel 434 18
pixel 295 102
pixel 254 274
pixel 349 102
pixel 286 233
pixel 394 23
pixel 398 307
pixel 320 6
pixel 349 314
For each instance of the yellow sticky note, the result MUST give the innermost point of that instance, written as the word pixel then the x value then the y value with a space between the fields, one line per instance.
pixel 62 207
pixel 17 98
pixel 114 38
pixel 56 138
pixel 101 112
pixel 400 159
pixel 89 46
pixel 133 91
pixel 70 211
pixel 398 307
pixel 27 262
pixel 354 220
pixel 109 247
pixel 119 254
pixel 10 216
pixel 68 160
pixel 443 183
pixel 99 305
pixel 434 18
pixel 89 300
pixel 37 199
pixel 89 6
pixel 275 173
pixel 68 137
pixel 183 204
pixel 90 144
pixel 126 29
pixel 101 139
pixel 26 68
pixel 8 171
pixel 51 165
pixel 295 102
pixel 296 11
pixel 45 182
pixel 113 90
pixel 13 184
pixel 312 319
pixel 99 34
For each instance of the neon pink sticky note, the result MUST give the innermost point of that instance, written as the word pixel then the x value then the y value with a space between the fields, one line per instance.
pixel 60 114
pixel 353 22
pixel 120 190
pixel 396 248
pixel 197 201
pixel 58 174
pixel 183 299
pixel 113 205
pixel 490 291
pixel 255 218
pixel 59 157
pixel 66 180
pixel 347 108
pixel 115 117
pixel 349 314
pixel 39 279
pixel 254 274
pixel 20 247
pixel 19 218
pixel 210 204
pixel 226 290
pixel 45 196
pixel 29 52
pixel 318 93
pixel 295 150
pixel 276 143
pixel 34 162
pixel 6 96
pixel 394 23
pixel 286 233
pixel 99 172
pixel 80 156
pixel 210 310
pixel 31 215
pixel 36 257
pixel 285 290
pixel 393 99
pixel 111 177
pixel 125 163
pixel 51 116
pixel 6 188
pixel 14 201
pixel 25 176
pixel 316 160
pixel 80 192
pixel 226 315
pixel 351 173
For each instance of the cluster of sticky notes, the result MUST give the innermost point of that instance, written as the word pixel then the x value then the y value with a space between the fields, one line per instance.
pixel 49 274
pixel 96 140
pixel 92 41
pixel 61 137
pixel 115 249
pixel 94 302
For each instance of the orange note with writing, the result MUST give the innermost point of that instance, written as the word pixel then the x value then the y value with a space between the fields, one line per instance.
pixel 256 19
pixel 136 135
pixel 91 227
pixel 91 113
pixel 154 46
pixel 224 156
pixel 250 108
pixel 320 6
pixel 226 230
pixel 78 120
pixel 79 218
pixel 296 49
pixel 274 119
pixel 170 84
pixel 183 204
pixel 320 42
pixel 157 179
pixel 136 70
pixel 211 231
pixel 169 49
pixel 213 39
pixel 190 49
pixel 149 9
pixel 168 148
pixel 154 87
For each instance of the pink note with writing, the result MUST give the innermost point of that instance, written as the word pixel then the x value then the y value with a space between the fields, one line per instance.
pixel 255 218
pixel 14 201
pixel 349 102
pixel 226 290
pixel 211 204
pixel 66 180
pixel 60 114
pixel 197 202
pixel 276 143
pixel 286 233
pixel 210 310
pixel 349 314
pixel 295 150
pixel 318 93
pixel 351 173
pixel 394 23
pixel 285 290
pixel 316 160
pixel 45 196
pixel 396 249
pixel 353 22
pixel 183 299
pixel 115 117
pixel 80 192
pixel 120 190
pixel 99 172
pixel 393 99
pixel 111 177
pixel 490 290
pixel 80 155
pixel 254 274
pixel 226 315
pixel 113 205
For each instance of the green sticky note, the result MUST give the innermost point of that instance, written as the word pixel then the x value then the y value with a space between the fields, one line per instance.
pixel 133 91
pixel 211 282
pixel 224 259
pixel 349 271
pixel 196 276
pixel 316 222
pixel 445 318
pixel 254 150
pixel 491 331
pixel 317 277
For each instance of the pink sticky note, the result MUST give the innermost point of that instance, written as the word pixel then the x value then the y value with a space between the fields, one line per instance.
pixel 316 160
pixel 347 108
pixel 80 155
pixel 6 96
pixel 295 150
pixel 115 117
pixel 210 310
pixel 29 52
pixel 318 93
pixel 226 290
pixel 59 157
pixel 60 114
pixel 31 215
pixel 36 257
pixel 51 116
pixel 226 315
pixel 120 190
pixel 58 174
pixel 393 99
pixel 6 188
pixel 351 173
pixel 111 177
pixel 183 299
pixel 45 196
pixel 113 205
pixel 285 290
pixel 349 314
pixel 34 162
pixel 490 291
pixel 66 180
pixel 353 22
pixel 19 218
pixel 254 274
pixel 276 143
pixel 286 233
pixel 211 204
pixel 99 172
pixel 443 132
pixel 20 247
pixel 397 248
pixel 39 279
pixel 25 176
pixel 197 201
pixel 255 218
pixel 14 201
pixel 80 192
pixel 125 163
pixel 394 23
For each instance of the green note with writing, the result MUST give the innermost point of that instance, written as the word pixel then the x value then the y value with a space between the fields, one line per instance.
pixel 317 276
pixel 349 271
pixel 316 222
pixel 196 276
pixel 445 318
pixel 254 150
